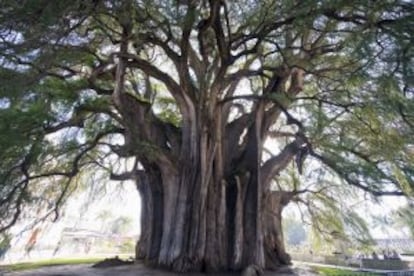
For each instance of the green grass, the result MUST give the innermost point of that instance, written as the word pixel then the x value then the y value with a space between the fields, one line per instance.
pixel 51 262
pixel 327 271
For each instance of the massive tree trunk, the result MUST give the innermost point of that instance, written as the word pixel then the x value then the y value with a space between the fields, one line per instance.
pixel 214 231
pixel 211 211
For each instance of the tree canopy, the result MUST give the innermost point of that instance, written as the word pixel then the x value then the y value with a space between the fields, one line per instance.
pixel 319 93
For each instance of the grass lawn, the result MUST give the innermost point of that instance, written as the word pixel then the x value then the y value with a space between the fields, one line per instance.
pixel 341 272
pixel 51 262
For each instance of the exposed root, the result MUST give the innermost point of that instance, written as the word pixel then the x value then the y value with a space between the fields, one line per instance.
pixel 184 264
pixel 252 270
pixel 116 261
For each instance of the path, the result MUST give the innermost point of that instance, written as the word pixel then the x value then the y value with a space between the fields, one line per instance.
pixel 135 270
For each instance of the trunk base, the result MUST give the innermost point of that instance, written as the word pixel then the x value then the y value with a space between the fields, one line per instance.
pixel 225 229
pixel 252 270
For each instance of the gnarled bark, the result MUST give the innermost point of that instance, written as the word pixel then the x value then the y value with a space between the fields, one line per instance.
pixel 274 246
pixel 198 216
pixel 213 234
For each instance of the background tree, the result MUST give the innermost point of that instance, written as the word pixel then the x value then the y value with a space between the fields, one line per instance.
pixel 295 232
pixel 121 225
pixel 191 91
pixel 404 217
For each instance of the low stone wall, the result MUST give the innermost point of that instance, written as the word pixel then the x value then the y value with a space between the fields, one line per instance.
pixel 391 264
pixel 380 264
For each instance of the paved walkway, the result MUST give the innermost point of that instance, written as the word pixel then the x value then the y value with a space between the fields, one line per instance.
pixel 136 270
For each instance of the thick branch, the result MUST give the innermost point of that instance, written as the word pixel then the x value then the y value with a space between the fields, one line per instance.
pixel 279 162
pixel 131 175
pixel 153 71
pixel 223 47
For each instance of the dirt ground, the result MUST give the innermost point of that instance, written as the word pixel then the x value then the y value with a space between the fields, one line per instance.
pixel 134 270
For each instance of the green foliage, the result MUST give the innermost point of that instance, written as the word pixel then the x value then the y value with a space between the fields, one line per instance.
pixel 404 217
pixel 5 242
pixel 168 110
pixel 331 208
pixel 128 246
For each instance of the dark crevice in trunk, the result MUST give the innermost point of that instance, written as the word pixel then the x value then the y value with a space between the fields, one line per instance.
pixel 231 205
pixel 149 187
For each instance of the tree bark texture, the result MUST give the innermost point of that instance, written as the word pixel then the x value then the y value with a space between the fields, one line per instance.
pixel 211 210
pixel 219 232
pixel 213 234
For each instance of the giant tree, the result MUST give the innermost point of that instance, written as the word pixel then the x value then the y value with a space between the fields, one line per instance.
pixel 193 92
